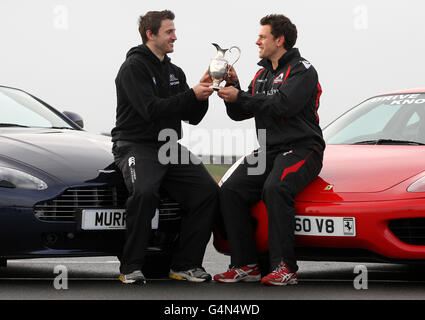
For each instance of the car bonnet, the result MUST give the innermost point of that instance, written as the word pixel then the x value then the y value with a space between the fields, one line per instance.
pixel 364 169
pixel 69 156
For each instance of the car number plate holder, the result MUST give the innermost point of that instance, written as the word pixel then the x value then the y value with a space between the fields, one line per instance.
pixel 325 226
pixel 106 219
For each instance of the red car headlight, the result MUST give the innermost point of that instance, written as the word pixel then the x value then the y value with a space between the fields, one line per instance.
pixel 417 186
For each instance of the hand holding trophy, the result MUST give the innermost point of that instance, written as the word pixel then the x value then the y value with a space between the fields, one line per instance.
pixel 219 67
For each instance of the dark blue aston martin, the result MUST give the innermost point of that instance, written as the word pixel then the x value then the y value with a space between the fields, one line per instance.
pixel 60 192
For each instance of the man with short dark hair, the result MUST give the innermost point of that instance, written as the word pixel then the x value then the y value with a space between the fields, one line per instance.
pixel 153 97
pixel 284 99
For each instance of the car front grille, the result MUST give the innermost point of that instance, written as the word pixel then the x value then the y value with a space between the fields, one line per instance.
pixel 65 207
pixel 410 231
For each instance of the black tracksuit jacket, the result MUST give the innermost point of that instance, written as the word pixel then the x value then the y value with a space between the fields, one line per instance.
pixel 284 102
pixel 151 96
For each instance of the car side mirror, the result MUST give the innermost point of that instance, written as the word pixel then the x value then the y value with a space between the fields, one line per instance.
pixel 75 118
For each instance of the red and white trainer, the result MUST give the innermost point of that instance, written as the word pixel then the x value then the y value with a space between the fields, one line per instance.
pixel 281 276
pixel 246 274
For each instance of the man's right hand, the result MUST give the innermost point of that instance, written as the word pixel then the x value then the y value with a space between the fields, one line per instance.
pixel 232 76
pixel 203 91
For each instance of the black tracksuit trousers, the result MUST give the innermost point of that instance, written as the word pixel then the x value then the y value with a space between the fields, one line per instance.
pixel 189 184
pixel 288 171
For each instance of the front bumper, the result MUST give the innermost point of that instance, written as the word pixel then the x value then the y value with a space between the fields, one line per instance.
pixel 373 221
pixel 375 232
pixel 23 235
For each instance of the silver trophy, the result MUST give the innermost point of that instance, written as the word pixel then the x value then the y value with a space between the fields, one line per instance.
pixel 219 67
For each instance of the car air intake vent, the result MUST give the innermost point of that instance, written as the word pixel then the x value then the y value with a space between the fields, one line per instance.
pixel 410 231
pixel 65 206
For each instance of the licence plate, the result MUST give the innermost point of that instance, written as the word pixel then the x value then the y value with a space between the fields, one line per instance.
pixel 325 226
pixel 108 219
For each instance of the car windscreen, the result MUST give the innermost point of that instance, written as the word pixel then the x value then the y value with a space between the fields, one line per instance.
pixel 18 109
pixel 389 119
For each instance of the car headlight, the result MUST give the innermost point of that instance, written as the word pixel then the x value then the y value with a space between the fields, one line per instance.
pixel 417 186
pixel 12 178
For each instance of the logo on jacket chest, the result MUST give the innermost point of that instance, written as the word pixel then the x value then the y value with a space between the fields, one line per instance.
pixel 270 85
pixel 174 80
pixel 279 78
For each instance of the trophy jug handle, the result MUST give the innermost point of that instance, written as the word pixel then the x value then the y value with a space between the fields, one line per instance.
pixel 239 54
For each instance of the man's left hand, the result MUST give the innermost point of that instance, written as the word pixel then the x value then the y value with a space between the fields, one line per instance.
pixel 206 78
pixel 229 94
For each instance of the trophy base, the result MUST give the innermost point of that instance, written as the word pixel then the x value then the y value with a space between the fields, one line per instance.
pixel 216 88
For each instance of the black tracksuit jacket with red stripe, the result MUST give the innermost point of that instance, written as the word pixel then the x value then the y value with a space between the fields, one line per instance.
pixel 284 101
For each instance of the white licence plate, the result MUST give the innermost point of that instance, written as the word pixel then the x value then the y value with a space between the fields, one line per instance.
pixel 325 226
pixel 108 219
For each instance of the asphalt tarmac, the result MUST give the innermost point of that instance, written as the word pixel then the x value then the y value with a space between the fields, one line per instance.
pixel 96 278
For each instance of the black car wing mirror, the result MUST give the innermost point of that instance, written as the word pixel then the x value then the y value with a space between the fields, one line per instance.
pixel 75 118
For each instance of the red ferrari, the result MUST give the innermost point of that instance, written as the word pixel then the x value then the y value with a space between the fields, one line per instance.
pixel 368 203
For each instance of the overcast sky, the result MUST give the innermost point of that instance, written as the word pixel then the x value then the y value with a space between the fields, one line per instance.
pixel 68 52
